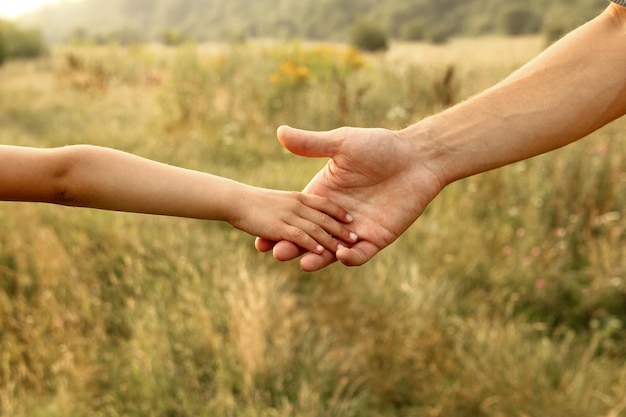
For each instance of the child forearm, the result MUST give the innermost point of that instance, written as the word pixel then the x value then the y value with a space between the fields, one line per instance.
pixel 108 179
pixel 104 178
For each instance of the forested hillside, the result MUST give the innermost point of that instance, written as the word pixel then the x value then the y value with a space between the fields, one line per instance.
pixel 309 19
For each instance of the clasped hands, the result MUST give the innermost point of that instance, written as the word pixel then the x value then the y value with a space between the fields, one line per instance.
pixel 385 179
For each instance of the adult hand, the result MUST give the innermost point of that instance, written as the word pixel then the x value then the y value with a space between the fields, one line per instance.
pixel 386 179
pixel 377 175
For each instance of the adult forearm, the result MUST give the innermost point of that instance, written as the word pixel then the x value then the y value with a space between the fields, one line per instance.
pixel 571 89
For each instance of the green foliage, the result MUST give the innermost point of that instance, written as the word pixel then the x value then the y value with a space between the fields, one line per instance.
pixel 438 34
pixel 413 31
pixel 520 20
pixel 20 43
pixel 368 36
pixel 203 20
pixel 173 37
pixel 3 49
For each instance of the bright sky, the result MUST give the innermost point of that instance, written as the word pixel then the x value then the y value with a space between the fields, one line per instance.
pixel 14 8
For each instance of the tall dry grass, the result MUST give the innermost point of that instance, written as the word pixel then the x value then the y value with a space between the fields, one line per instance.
pixel 508 298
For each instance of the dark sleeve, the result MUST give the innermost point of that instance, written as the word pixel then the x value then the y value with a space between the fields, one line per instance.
pixel 620 2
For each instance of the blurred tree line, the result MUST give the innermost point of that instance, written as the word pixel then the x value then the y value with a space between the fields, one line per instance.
pixel 17 42
pixel 333 20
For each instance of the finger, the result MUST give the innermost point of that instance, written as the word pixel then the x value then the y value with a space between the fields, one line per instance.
pixel 327 206
pixel 264 245
pixel 358 254
pixel 286 251
pixel 307 143
pixel 324 229
pixel 312 262
pixel 307 234
pixel 310 236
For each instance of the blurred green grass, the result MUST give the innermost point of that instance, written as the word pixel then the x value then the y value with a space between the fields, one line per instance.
pixel 507 297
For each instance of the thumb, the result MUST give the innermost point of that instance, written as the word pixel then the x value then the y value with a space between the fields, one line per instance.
pixel 308 143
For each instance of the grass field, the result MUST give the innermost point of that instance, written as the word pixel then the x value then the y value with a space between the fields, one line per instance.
pixel 507 298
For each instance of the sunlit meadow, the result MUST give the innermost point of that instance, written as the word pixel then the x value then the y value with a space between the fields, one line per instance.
pixel 507 298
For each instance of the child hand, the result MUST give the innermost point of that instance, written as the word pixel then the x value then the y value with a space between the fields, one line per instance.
pixel 309 221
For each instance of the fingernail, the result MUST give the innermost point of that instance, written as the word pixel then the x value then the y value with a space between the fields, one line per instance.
pixel 349 218
pixel 340 246
pixel 353 236
pixel 320 249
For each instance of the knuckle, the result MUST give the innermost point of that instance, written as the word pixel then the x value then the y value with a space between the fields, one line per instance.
pixel 317 230
pixel 322 218
pixel 299 234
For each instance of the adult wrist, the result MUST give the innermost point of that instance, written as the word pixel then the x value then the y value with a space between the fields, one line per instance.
pixel 428 150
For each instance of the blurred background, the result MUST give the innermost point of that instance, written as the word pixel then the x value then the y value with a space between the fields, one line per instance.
pixel 506 298
pixel 215 20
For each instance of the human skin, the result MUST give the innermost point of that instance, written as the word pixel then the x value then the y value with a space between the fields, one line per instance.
pixel 387 178
pixel 104 178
